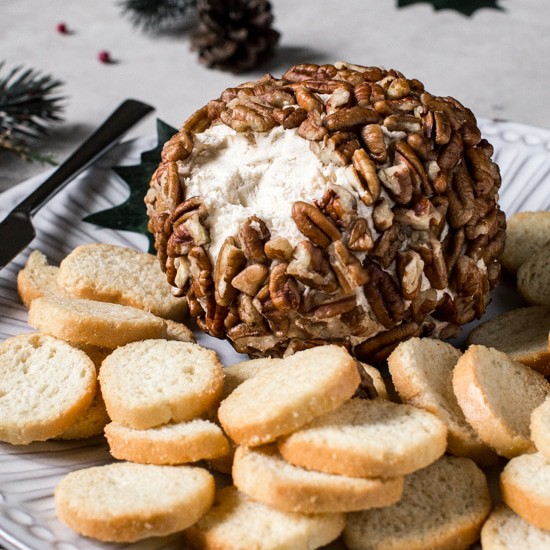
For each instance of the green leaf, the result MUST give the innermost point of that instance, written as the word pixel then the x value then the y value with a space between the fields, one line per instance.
pixel 467 7
pixel 131 215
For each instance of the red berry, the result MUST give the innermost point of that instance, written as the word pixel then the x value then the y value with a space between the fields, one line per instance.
pixel 61 28
pixel 104 56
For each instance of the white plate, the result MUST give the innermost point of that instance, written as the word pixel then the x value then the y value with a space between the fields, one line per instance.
pixel 28 474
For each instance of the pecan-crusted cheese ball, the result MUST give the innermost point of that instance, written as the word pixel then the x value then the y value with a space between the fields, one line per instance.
pixel 337 204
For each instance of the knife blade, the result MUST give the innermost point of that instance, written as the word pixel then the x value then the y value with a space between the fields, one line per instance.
pixel 17 229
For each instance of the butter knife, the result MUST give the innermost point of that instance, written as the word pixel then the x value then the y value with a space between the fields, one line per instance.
pixel 17 230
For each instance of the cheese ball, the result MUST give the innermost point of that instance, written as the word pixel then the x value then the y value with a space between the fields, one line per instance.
pixel 337 204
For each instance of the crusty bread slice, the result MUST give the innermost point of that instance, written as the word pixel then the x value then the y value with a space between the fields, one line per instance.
pixel 236 522
pixel 505 530
pixel 91 423
pixel 521 333
pixel 178 443
pixel 37 278
pixel 45 386
pixel 284 397
pixel 442 508
pixel 526 234
pixel 154 382
pixel 368 438
pixel 111 273
pixel 101 324
pixel 422 373
pixel 236 374
pixel 497 396
pixel 266 477
pixel 525 488
pixel 178 331
pixel 533 279
pixel 127 502
pixel 540 428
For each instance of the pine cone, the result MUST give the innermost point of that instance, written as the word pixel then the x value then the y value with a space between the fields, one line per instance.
pixel 234 35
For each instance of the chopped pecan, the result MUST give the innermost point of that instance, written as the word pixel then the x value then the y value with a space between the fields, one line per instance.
pixel 378 348
pixel 244 118
pixel 335 308
pixel 322 86
pixel 458 311
pixel 466 277
pixel 455 115
pixel 337 148
pixel 460 193
pixel 387 244
pixel 443 128
pixel 359 238
pixel 183 272
pixel 186 235
pixel 397 180
pixel 313 224
pixel 383 295
pixel 422 146
pixel 421 216
pixel 232 318
pixel 431 251
pixel 424 304
pixel 198 122
pixel 409 267
pixel 247 312
pixel 229 263
pixel 301 72
pixel 349 271
pixel 382 215
pixel 253 235
pixel 339 204
pixel 373 137
pixel 276 97
pixel 178 147
pixel 184 211
pixel 278 248
pixel 366 168
pixel 404 154
pixel 251 279
pixel 349 118
pixel 201 271
pixel 362 93
pixel 340 98
pixel 310 267
pixel 308 101
pixel 451 153
pixel 283 289
pixel 484 172
pixel 312 127
pixel 168 184
pixel 453 245
pixel 398 89
pixel 366 389
pixel 402 123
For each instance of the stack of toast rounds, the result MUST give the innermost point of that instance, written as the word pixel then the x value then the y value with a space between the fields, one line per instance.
pixel 293 453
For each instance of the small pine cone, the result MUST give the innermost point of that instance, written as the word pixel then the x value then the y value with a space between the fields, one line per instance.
pixel 234 35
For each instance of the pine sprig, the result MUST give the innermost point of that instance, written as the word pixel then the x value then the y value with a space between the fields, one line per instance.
pixel 29 103
pixel 153 14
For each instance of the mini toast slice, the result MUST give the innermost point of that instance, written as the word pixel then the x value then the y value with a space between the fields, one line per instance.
pixel 177 443
pixel 122 275
pixel 284 397
pixel 422 373
pixel 443 507
pixel 89 322
pixel 45 386
pixel 525 488
pixel 533 278
pixel 266 477
pixel 540 428
pixel 497 396
pixel 367 438
pixel 37 278
pixel 127 502
pixel 505 530
pixel 236 522
pixel 154 382
pixel 521 333
pixel 526 234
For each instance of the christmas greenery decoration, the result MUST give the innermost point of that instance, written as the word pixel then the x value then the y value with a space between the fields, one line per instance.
pixel 153 14
pixel 234 35
pixel 28 105
pixel 131 214
pixel 467 7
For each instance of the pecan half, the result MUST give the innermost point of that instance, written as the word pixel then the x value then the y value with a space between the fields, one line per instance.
pixel 366 168
pixel 384 296
pixel 431 251
pixel 466 278
pixel 398 182
pixel 178 147
pixel 422 216
pixel 339 204
pixel 310 267
pixel 313 224
pixel 307 100
pixel 387 244
pixel 373 138
pixel 201 271
pixel 484 172
pixel 278 248
pixel 346 119
pixel 382 215
pixel 460 193
pixel 312 127
pixel 251 279
pixel 349 271
pixel 424 304
pixel 283 289
pixel 334 309
pixel 253 235
pixel 229 263
pixel 359 237
pixel 409 268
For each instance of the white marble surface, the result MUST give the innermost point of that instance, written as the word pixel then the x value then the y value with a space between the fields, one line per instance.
pixel 495 62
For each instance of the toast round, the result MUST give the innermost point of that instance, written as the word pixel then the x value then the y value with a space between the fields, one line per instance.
pixel 540 428
pixel 178 331
pixel 90 423
pixel 533 279
pixel 45 386
pixel 526 234
pixel 282 398
pixel 111 273
pixel 422 373
pixel 37 278
pixel 89 322
pixel 525 488
pixel 153 382
pixel 521 333
pixel 368 438
pixel 497 396
pixel 505 530
pixel 169 444
pixel 236 522
pixel 442 508
pixel 126 502
pixel 266 477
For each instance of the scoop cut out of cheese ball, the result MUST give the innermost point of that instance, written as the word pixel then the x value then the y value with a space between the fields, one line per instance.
pixel 336 204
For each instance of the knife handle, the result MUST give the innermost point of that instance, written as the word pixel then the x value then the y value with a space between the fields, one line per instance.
pixel 106 136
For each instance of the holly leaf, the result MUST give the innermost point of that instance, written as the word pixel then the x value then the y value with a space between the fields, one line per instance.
pixel 467 7
pixel 131 215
